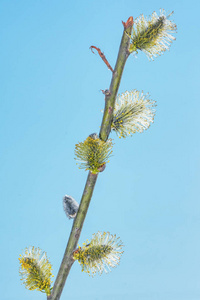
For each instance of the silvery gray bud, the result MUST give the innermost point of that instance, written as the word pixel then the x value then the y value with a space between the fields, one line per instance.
pixel 70 206
pixel 94 136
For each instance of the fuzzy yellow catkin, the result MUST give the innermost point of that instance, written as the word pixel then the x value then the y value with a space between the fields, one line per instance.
pixel 35 270
pixel 101 254
pixel 153 36
pixel 93 153
pixel 133 112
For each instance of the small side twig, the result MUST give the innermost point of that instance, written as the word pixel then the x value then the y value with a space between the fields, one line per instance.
pixel 103 57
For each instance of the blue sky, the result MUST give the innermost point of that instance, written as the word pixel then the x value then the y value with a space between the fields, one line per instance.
pixel 50 99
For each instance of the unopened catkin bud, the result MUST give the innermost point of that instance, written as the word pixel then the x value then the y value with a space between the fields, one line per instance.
pixel 70 206
pixel 94 136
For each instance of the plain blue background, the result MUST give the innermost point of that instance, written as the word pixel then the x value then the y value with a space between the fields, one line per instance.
pixel 50 99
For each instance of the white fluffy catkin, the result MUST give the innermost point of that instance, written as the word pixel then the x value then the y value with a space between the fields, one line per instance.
pixel 70 206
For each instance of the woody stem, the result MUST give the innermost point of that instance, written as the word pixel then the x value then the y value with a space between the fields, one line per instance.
pixel 67 261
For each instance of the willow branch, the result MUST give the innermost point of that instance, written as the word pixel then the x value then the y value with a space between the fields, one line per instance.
pixel 110 98
pixel 115 82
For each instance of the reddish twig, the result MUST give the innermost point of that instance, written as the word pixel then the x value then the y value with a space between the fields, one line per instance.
pixel 103 57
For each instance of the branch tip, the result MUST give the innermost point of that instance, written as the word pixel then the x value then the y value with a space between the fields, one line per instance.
pixel 128 23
